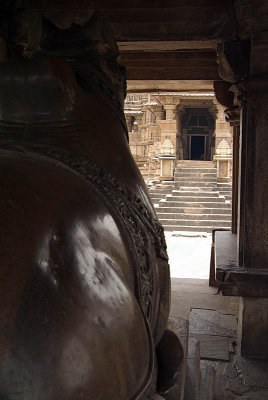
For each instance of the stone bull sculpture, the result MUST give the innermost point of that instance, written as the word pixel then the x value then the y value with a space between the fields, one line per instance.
pixel 84 272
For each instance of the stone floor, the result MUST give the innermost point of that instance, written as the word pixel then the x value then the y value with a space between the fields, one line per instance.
pixel 212 320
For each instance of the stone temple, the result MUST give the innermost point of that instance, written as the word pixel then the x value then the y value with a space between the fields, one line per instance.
pixel 164 128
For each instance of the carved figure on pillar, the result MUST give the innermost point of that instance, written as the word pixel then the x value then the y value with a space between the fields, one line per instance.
pixel 84 276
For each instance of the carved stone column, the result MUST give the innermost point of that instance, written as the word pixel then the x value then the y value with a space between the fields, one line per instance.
pixel 253 249
pixel 250 279
pixel 170 111
pixel 233 116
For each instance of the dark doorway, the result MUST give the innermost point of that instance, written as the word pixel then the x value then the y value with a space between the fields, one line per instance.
pixel 197 147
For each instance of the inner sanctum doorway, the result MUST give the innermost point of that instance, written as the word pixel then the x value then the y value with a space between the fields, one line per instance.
pixel 197 147
pixel 197 134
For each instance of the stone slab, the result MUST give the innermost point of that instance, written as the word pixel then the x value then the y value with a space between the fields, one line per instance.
pixel 192 385
pixel 207 382
pixel 239 378
pixel 213 347
pixel 200 286
pixel 256 395
pixel 209 322
pixel 182 302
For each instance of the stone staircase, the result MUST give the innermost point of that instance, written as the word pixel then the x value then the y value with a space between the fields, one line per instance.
pixel 194 201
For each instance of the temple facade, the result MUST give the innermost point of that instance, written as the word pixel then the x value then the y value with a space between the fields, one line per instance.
pixel 167 127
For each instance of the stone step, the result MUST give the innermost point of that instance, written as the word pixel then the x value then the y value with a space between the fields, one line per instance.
pixel 192 210
pixel 160 191
pixel 202 223
pixel 195 184
pixel 196 189
pixel 196 170
pixel 225 193
pixel 199 175
pixel 192 385
pixel 164 186
pixel 189 228
pixel 224 186
pixel 198 193
pixel 158 195
pixel 194 179
pixel 192 197
pixel 195 163
pixel 207 381
pixel 219 217
pixel 199 204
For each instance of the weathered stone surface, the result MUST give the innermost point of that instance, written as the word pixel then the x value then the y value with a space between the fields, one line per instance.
pixel 183 302
pixel 207 382
pixel 256 395
pixel 239 378
pixel 212 323
pixel 192 385
pixel 253 327
pixel 186 285
pixel 213 347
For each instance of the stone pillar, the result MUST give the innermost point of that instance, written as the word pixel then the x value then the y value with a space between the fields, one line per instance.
pixel 167 160
pixel 254 174
pixel 225 94
pixel 223 146
pixel 248 71
pixel 252 330
pixel 170 111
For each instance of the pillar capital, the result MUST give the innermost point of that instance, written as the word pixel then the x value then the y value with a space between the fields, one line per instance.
pixel 170 111
pixel 158 110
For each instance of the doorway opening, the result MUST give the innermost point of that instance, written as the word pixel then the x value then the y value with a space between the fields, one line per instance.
pixel 197 133
pixel 197 147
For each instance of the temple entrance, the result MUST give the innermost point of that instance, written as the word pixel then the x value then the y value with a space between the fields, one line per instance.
pixel 197 134
pixel 197 147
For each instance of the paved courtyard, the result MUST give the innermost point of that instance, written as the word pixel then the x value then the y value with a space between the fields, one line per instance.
pixel 212 321
pixel 189 254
